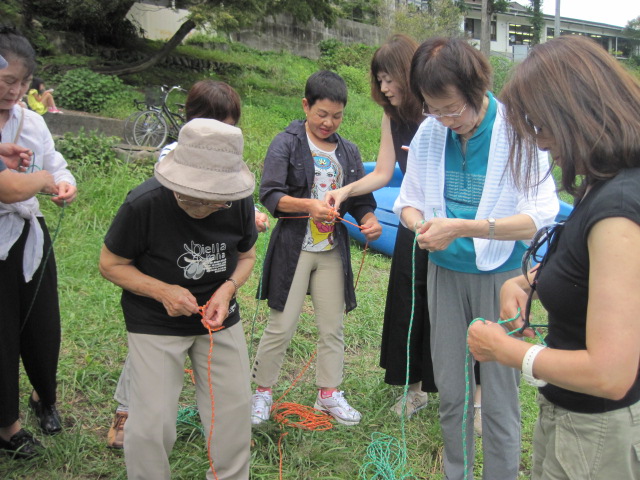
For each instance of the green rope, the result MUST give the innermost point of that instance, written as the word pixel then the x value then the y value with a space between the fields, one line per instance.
pixel 54 237
pixel 188 415
pixel 387 455
pixel 467 389
pixel 255 313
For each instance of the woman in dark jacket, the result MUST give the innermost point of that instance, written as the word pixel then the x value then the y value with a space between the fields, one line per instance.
pixel 310 254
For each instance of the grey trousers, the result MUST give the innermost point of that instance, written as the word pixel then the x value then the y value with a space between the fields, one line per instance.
pixel 122 389
pixel 157 372
pixel 455 299
pixel 322 274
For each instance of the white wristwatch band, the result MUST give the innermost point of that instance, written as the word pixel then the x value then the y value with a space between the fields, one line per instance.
pixel 527 366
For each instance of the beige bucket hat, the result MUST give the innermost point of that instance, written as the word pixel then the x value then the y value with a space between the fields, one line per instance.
pixel 207 163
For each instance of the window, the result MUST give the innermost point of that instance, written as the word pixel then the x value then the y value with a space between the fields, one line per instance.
pixel 520 34
pixel 472 28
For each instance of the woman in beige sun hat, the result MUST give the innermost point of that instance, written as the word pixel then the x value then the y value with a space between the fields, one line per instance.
pixel 182 240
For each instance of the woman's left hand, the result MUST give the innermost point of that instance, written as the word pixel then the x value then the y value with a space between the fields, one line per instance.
pixel 218 306
pixel 66 193
pixel 371 228
pixel 484 339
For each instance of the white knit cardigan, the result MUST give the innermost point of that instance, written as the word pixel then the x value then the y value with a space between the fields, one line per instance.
pixel 423 187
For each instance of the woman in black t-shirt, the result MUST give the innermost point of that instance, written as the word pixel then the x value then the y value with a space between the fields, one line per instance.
pixel 180 247
pixel 571 98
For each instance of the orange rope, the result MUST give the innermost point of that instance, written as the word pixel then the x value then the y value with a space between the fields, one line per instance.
pixel 282 435
pixel 202 311
pixel 335 217
pixel 190 372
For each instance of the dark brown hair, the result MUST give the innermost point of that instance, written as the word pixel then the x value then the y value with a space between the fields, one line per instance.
pixel 442 63
pixel 585 100
pixel 212 99
pixel 394 58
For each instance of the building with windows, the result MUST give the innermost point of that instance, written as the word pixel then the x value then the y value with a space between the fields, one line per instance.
pixel 511 31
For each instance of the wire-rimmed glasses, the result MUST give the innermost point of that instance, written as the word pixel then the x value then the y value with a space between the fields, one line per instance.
pixel 197 203
pixel 438 116
pixel 533 126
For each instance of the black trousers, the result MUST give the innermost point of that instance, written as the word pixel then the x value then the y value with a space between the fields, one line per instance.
pixel 35 339
pixel 397 315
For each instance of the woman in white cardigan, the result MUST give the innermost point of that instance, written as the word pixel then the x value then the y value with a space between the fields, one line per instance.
pixel 461 201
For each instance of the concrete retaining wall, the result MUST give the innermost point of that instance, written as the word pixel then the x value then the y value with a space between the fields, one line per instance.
pixel 71 121
pixel 279 33
pixel 282 33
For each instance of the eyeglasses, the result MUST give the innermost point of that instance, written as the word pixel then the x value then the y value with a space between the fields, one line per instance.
pixel 442 115
pixel 543 242
pixel 197 203
pixel 534 127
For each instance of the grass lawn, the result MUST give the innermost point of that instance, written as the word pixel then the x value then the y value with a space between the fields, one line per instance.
pixel 94 337
pixel 94 348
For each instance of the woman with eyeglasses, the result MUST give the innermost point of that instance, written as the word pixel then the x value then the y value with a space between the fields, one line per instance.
pixel 467 212
pixel 30 313
pixel 206 99
pixel 402 115
pixel 571 98
pixel 180 247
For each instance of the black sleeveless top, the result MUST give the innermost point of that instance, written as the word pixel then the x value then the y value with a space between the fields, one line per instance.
pixel 402 134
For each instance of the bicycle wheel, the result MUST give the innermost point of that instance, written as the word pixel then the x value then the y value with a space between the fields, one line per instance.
pixel 128 127
pixel 150 129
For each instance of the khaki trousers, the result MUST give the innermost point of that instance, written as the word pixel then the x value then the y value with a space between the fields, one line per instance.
pixel 157 372
pixel 322 274
pixel 586 446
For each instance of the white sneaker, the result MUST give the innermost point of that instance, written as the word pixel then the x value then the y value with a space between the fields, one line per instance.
pixel 261 407
pixel 477 420
pixel 338 407
pixel 415 401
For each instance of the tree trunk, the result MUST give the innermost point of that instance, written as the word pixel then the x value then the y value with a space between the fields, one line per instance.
pixel 149 62
pixel 485 29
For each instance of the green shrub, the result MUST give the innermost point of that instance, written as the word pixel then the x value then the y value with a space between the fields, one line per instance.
pixel 501 69
pixel 83 149
pixel 357 79
pixel 82 89
pixel 334 54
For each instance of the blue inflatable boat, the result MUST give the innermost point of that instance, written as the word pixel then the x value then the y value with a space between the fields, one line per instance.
pixel 385 198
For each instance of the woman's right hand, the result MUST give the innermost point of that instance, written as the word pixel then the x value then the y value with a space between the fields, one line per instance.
pixel 179 301
pixel 334 198
pixel 514 295
pixel 320 211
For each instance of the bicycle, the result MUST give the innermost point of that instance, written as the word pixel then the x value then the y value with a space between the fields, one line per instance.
pixel 151 126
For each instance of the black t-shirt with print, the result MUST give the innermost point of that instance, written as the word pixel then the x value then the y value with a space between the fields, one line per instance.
pixel 563 284
pixel 169 245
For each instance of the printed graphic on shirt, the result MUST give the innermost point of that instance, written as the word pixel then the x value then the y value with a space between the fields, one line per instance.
pixel 199 259
pixel 328 176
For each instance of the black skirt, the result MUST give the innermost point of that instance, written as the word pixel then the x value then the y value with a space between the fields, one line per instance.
pixel 397 318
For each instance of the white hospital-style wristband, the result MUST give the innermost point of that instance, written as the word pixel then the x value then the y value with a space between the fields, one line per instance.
pixel 527 366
